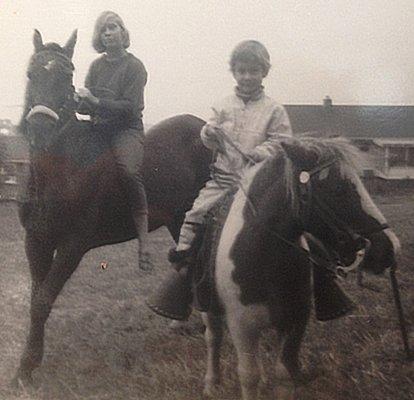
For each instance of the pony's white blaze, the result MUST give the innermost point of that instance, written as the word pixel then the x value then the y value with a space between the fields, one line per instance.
pixel 371 209
pixel 227 289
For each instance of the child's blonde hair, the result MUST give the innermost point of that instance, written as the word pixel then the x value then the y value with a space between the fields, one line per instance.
pixel 100 23
pixel 251 51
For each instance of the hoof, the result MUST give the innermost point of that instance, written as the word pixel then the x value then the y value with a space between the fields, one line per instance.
pixel 145 263
pixel 303 378
pixel 211 389
pixel 177 325
pixel 21 381
pixel 285 392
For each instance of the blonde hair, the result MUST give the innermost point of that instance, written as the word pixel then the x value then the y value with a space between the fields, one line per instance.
pixel 251 51
pixel 100 23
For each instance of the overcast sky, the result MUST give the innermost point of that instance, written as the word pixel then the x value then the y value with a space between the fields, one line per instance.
pixel 356 51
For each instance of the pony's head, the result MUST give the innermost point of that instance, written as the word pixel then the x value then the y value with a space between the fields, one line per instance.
pixel 335 207
pixel 49 91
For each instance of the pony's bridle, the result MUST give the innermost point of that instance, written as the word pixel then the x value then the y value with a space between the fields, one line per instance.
pixel 309 200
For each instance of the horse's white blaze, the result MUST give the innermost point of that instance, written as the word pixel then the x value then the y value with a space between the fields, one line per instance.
pixel 228 290
pixel 371 209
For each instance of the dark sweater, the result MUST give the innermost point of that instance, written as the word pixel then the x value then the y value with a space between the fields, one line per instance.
pixel 119 85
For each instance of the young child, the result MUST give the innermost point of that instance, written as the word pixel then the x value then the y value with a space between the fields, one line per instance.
pixel 253 123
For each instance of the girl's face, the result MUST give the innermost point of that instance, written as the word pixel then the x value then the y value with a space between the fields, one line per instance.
pixel 248 75
pixel 112 35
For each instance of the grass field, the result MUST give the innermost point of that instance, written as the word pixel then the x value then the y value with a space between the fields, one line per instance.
pixel 103 343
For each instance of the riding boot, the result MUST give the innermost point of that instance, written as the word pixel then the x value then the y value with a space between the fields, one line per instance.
pixel 141 226
pixel 174 296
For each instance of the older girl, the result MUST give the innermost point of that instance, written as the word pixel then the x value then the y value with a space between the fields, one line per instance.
pixel 114 97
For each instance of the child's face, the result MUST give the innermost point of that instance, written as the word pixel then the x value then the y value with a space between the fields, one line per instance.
pixel 248 75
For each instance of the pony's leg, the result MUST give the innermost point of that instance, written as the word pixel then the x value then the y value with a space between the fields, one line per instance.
pixel 291 348
pixel 246 341
pixel 39 254
pixel 68 256
pixel 213 336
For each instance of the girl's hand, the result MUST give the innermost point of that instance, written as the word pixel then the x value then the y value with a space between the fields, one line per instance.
pixel 85 94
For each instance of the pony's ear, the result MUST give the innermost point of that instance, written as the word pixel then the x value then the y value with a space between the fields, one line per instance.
pixel 301 155
pixel 70 45
pixel 37 41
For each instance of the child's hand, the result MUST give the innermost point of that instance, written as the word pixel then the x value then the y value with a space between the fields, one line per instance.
pixel 256 155
pixel 215 137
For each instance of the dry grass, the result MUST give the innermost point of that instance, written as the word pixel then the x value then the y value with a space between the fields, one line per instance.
pixel 103 343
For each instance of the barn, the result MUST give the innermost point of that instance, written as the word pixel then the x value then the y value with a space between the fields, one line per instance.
pixel 385 134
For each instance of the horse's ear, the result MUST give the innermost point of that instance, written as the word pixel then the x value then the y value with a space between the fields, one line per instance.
pixel 70 45
pixel 37 41
pixel 301 155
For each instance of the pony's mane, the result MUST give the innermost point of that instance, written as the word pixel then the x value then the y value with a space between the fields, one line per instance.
pixel 278 170
pixel 348 155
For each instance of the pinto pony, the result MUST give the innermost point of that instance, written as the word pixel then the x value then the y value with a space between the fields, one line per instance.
pixel 74 201
pixel 262 276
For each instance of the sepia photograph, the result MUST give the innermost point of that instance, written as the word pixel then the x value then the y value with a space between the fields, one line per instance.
pixel 204 199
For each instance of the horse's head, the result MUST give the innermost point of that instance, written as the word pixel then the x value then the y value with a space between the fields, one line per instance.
pixel 49 92
pixel 335 207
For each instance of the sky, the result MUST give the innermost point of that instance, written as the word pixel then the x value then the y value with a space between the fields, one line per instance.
pixel 357 52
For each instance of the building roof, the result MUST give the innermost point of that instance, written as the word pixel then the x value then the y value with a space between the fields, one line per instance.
pixel 353 121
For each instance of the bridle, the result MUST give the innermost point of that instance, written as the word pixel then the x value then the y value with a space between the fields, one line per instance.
pixel 62 115
pixel 310 200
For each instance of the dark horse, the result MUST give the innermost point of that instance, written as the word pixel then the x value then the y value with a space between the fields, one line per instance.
pixel 74 201
pixel 263 276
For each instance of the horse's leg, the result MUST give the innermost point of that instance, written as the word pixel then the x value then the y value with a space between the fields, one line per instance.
pixel 246 341
pixel 39 254
pixel 68 256
pixel 213 336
